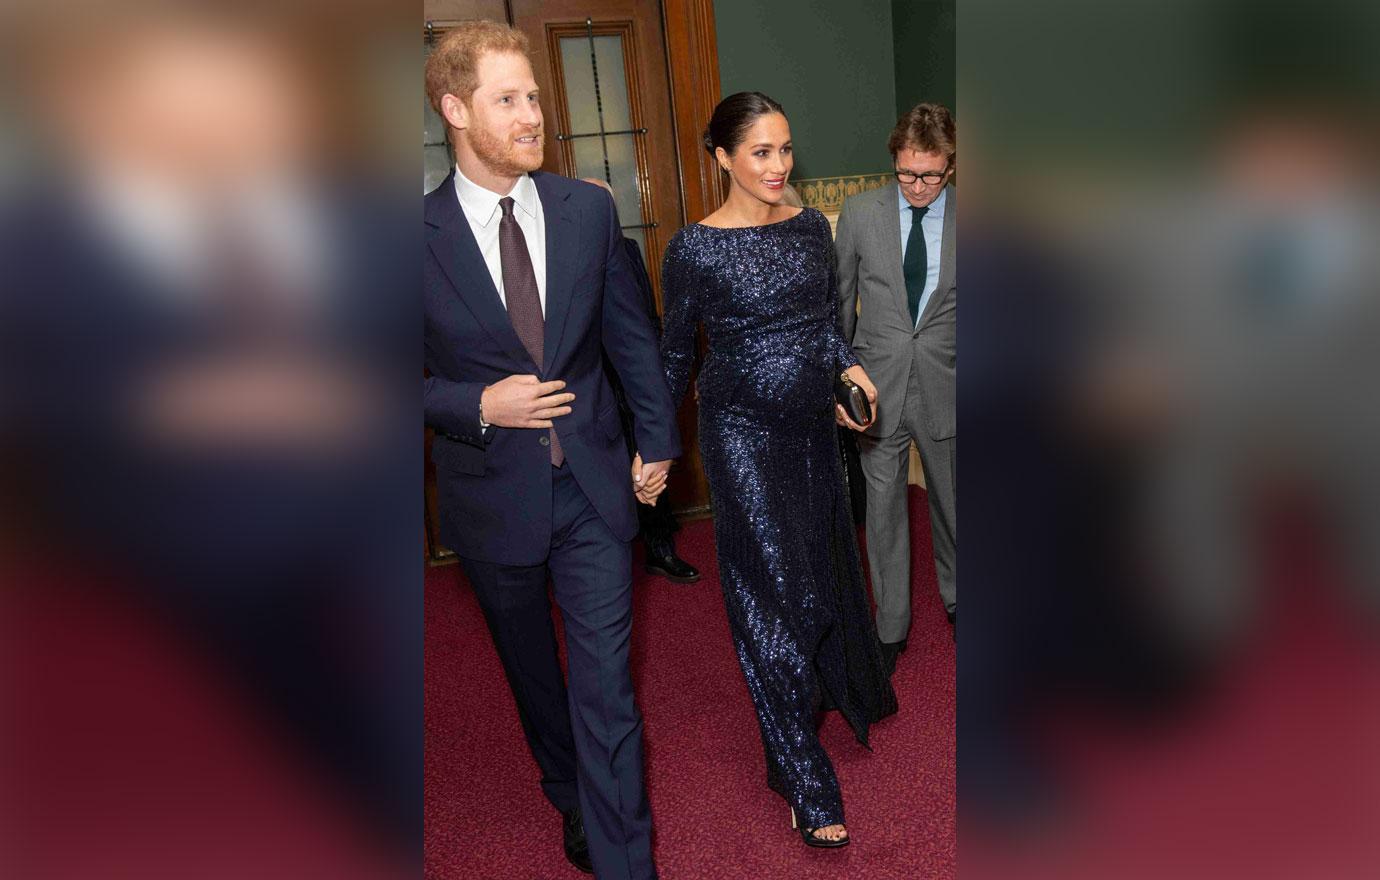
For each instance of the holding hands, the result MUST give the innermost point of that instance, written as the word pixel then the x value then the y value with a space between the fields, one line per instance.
pixel 649 479
pixel 527 402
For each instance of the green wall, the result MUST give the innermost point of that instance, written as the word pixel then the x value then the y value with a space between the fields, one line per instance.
pixel 843 69
pixel 830 65
pixel 923 46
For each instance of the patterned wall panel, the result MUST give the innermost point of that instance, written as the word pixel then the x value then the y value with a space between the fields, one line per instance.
pixel 827 193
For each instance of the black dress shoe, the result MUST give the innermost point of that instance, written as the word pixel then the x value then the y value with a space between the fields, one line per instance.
pixel 665 562
pixel 890 651
pixel 573 836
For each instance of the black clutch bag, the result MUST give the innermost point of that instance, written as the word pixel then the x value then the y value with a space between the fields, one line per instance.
pixel 853 400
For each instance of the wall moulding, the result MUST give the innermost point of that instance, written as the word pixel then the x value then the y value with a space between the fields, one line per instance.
pixel 827 194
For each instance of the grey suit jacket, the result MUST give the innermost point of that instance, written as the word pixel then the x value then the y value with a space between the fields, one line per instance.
pixel 876 317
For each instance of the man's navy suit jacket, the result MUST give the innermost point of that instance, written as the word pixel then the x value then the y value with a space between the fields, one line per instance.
pixel 494 485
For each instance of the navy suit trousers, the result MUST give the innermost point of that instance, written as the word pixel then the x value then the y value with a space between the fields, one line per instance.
pixel 586 738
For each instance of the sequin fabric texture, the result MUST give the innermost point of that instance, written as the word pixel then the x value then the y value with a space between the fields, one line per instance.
pixel 788 555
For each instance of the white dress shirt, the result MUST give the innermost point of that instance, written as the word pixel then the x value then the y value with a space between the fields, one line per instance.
pixel 481 209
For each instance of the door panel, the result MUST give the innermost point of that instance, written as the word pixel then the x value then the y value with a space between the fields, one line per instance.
pixel 637 152
pixel 634 95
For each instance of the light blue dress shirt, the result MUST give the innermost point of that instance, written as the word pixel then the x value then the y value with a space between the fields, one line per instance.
pixel 932 226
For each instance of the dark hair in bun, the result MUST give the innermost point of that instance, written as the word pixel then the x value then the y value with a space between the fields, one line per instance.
pixel 734 116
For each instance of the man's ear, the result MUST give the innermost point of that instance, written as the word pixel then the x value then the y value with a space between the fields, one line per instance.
pixel 456 113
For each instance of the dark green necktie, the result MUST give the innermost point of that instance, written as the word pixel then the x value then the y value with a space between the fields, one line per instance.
pixel 916 263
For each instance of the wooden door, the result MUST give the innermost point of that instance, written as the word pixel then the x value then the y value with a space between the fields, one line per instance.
pixel 601 66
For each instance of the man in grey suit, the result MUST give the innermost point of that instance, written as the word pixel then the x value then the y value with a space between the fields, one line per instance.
pixel 898 292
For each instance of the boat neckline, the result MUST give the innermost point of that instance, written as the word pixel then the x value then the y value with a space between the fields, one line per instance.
pixel 758 226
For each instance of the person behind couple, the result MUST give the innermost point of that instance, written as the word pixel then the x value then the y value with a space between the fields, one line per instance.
pixel 898 292
pixel 759 275
pixel 532 473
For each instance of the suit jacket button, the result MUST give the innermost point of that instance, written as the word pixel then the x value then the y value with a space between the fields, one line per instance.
pixel 545 440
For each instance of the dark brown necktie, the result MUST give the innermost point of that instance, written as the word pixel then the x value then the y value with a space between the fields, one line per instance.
pixel 524 304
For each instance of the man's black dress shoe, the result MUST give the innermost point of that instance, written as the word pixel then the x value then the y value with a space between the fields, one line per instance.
pixel 576 846
pixel 890 651
pixel 665 562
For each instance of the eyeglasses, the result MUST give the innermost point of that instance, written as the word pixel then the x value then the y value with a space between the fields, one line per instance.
pixel 929 177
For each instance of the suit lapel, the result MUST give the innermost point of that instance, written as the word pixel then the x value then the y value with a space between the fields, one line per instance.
pixel 562 256
pixel 888 226
pixel 947 252
pixel 452 243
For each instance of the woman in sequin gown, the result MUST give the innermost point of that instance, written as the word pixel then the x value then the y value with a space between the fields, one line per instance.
pixel 788 557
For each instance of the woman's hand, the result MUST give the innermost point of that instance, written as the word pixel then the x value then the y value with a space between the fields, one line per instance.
pixel 649 479
pixel 860 378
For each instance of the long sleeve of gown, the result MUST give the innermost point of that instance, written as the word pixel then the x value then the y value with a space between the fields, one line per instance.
pixel 679 317
pixel 843 352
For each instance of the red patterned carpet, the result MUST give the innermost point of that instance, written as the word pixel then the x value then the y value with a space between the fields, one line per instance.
pixel 715 818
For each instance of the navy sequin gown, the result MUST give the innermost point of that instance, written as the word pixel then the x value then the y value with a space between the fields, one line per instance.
pixel 788 556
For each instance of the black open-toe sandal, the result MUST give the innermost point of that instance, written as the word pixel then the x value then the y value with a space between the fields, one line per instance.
pixel 808 835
